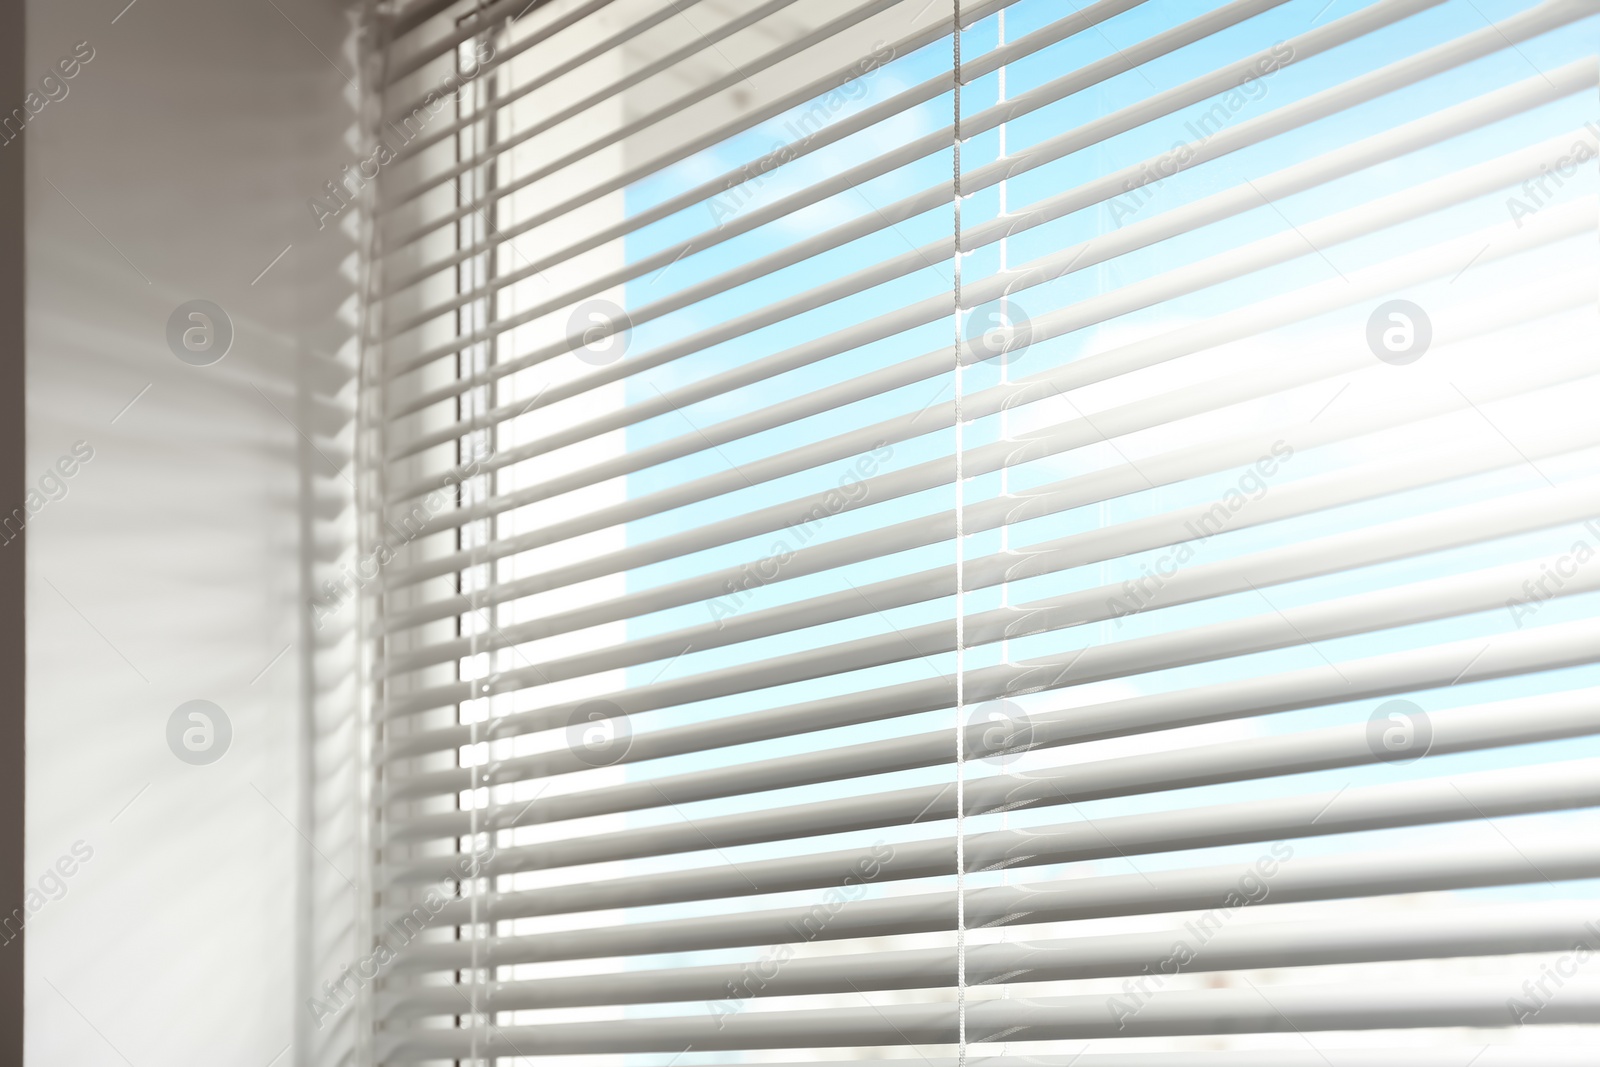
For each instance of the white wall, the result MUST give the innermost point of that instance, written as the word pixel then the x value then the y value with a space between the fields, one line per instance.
pixel 178 563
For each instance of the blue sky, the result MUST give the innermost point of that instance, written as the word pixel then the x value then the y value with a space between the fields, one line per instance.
pixel 1473 363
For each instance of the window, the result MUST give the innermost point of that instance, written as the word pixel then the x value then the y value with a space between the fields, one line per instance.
pixel 1121 592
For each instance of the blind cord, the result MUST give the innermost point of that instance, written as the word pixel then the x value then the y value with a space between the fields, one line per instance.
pixel 960 600
pixel 1005 435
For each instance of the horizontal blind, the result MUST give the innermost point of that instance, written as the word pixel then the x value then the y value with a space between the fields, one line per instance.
pixel 1179 649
